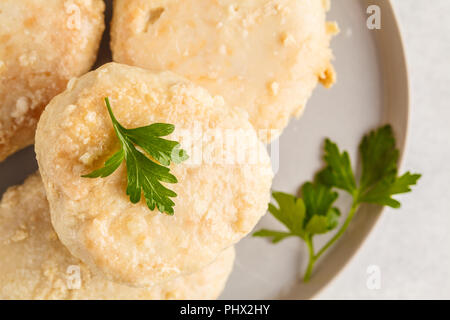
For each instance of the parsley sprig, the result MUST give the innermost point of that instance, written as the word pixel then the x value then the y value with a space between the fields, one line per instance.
pixel 145 175
pixel 313 213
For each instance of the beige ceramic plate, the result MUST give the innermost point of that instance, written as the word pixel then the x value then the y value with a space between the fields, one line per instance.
pixel 372 89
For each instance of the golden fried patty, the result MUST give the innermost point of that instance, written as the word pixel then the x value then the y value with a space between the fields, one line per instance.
pixel 35 265
pixel 265 56
pixel 43 44
pixel 218 202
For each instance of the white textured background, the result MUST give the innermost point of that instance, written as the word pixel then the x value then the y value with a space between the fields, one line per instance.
pixel 412 245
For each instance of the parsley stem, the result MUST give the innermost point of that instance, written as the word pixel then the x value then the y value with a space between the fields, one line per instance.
pixel 312 259
pixel 341 231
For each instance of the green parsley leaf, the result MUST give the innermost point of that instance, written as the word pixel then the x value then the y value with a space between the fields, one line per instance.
pixel 381 193
pixel 314 213
pixel 303 217
pixel 291 212
pixel 145 175
pixel 275 236
pixel 162 150
pixel 321 217
pixel 338 172
pixel 379 179
pixel 111 165
pixel 379 157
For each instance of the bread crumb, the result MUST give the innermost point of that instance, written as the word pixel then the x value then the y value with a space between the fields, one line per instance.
pixel 20 235
pixel 274 88
pixel 232 9
pixel 27 59
pixel 287 39
pixel 328 77
pixel 21 109
pixel 71 108
pixel 91 117
pixel 87 158
pixel 332 28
